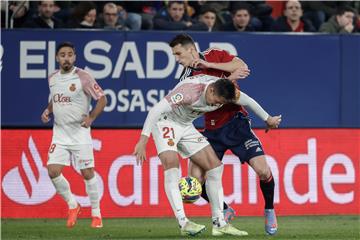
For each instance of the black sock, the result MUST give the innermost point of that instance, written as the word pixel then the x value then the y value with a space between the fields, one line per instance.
pixel 267 188
pixel 205 196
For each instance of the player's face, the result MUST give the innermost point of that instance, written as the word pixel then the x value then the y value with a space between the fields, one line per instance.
pixel 66 58
pixel 183 54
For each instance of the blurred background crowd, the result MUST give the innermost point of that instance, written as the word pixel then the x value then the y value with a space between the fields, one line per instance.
pixel 201 15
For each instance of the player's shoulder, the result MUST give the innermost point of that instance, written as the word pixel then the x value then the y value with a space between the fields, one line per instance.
pixel 200 78
pixel 83 75
pixel 52 76
pixel 213 51
pixel 80 71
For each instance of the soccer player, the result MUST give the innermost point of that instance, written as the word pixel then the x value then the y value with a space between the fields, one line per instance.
pixel 71 90
pixel 229 126
pixel 170 122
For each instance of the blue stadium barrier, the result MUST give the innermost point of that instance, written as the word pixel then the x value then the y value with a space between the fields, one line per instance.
pixel 313 80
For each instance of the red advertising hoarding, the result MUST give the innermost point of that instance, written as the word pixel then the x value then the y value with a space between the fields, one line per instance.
pixel 316 171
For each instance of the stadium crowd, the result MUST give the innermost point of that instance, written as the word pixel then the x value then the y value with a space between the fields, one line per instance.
pixel 201 15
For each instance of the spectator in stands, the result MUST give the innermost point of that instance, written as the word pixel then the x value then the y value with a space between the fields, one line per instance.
pixel 342 22
pixel 260 13
pixel 18 10
pixel 131 21
pixel 45 18
pixel 173 17
pixel 208 17
pixel 111 17
pixel 240 19
pixel 84 16
pixel 292 20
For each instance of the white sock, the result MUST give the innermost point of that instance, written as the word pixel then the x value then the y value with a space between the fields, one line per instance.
pixel 93 193
pixel 215 193
pixel 62 187
pixel 171 179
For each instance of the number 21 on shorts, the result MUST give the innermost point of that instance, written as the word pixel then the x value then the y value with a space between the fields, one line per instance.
pixel 168 132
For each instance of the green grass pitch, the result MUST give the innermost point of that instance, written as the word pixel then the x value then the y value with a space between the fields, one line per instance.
pixel 299 227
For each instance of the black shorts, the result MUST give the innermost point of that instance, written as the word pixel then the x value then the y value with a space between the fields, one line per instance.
pixel 237 136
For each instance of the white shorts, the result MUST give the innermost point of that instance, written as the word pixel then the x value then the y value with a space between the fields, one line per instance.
pixel 169 135
pixel 82 155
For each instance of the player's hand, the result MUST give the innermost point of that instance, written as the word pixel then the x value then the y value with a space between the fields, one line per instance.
pixel 239 73
pixel 200 64
pixel 87 121
pixel 272 122
pixel 140 150
pixel 45 116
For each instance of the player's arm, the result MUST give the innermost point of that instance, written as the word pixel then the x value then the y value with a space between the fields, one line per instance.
pixel 245 100
pixel 99 107
pixel 153 115
pixel 45 116
pixel 237 68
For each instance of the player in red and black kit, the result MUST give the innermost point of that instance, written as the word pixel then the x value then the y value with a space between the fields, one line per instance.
pixel 228 127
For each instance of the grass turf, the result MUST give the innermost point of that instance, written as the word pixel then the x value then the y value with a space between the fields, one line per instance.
pixel 299 227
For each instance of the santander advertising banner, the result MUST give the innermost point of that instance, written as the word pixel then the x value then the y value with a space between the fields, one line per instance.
pixel 316 171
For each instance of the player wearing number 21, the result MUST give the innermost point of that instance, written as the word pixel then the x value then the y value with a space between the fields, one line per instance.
pixel 71 90
pixel 170 122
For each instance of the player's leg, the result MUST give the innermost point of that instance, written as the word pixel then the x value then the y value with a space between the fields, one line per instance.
pixel 84 160
pixel 207 160
pixel 59 157
pixel 166 135
pixel 199 173
pixel 248 148
pixel 267 186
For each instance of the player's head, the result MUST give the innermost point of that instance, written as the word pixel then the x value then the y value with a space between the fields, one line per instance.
pixel 65 56
pixel 221 91
pixel 183 48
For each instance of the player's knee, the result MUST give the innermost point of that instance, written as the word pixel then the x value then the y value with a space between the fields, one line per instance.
pixel 53 172
pixel 87 173
pixel 264 173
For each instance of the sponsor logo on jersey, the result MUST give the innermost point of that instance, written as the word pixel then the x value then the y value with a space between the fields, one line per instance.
pixel 177 98
pixel 60 98
pixel 72 87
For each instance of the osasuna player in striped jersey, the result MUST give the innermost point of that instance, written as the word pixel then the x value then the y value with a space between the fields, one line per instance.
pixel 228 127
pixel 170 122
pixel 71 90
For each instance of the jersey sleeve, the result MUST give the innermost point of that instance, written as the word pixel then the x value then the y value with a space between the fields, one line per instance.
pixel 90 85
pixel 185 94
pixel 225 56
pixel 218 55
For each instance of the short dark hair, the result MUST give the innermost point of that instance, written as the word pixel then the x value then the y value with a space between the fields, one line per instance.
pixel 65 44
pixel 182 39
pixel 240 6
pixel 225 88
pixel 172 2
pixel 206 8
pixel 341 10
